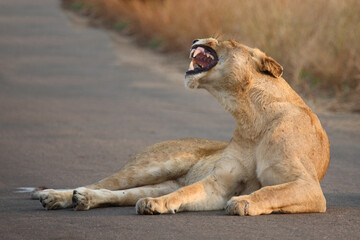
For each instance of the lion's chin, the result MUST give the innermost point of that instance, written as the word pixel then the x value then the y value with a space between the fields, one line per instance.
pixel 191 82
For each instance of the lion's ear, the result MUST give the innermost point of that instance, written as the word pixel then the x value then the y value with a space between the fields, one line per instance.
pixel 267 64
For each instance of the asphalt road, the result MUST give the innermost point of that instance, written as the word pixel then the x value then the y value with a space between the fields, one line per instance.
pixel 74 106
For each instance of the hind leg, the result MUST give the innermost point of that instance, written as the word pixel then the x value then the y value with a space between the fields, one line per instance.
pixel 85 198
pixel 156 164
pixel 55 199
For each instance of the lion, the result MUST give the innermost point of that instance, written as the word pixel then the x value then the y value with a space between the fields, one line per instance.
pixel 275 161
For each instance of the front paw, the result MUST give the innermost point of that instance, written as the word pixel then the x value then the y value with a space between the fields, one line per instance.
pixel 236 206
pixel 152 206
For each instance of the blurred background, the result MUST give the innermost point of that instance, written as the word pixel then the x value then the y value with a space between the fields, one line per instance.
pixel 317 42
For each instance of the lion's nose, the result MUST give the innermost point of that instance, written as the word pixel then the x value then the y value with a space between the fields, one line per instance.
pixel 196 40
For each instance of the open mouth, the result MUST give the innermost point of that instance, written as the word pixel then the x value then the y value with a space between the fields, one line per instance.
pixel 203 58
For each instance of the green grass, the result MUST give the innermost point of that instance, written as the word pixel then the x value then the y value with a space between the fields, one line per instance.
pixel 77 6
pixel 154 43
pixel 120 26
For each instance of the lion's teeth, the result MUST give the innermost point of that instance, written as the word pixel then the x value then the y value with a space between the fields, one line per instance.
pixel 191 53
pixel 197 51
pixel 210 56
pixel 191 66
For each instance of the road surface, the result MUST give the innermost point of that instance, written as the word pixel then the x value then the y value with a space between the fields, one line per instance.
pixel 74 105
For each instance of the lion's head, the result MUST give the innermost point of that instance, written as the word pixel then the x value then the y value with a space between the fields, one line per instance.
pixel 218 64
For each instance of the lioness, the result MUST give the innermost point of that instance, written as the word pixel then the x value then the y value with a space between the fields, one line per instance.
pixel 274 162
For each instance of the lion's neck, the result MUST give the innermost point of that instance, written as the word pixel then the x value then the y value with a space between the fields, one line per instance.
pixel 244 112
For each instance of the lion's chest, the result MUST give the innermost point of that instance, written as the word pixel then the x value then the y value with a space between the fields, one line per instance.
pixel 267 173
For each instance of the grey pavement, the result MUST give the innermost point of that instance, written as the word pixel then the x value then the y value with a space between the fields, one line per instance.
pixel 74 105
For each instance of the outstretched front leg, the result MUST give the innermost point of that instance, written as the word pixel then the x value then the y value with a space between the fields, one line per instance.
pixel 194 197
pixel 211 193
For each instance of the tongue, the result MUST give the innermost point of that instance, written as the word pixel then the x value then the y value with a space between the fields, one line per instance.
pixel 202 61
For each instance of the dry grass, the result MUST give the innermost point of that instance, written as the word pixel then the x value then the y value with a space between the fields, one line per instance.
pixel 317 42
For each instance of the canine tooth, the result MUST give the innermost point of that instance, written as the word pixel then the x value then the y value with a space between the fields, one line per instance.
pixel 191 53
pixel 191 66
pixel 197 51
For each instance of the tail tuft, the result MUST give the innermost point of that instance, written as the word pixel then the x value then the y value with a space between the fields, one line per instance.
pixel 34 191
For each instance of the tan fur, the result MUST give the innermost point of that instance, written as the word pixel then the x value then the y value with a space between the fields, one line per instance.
pixel 274 163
